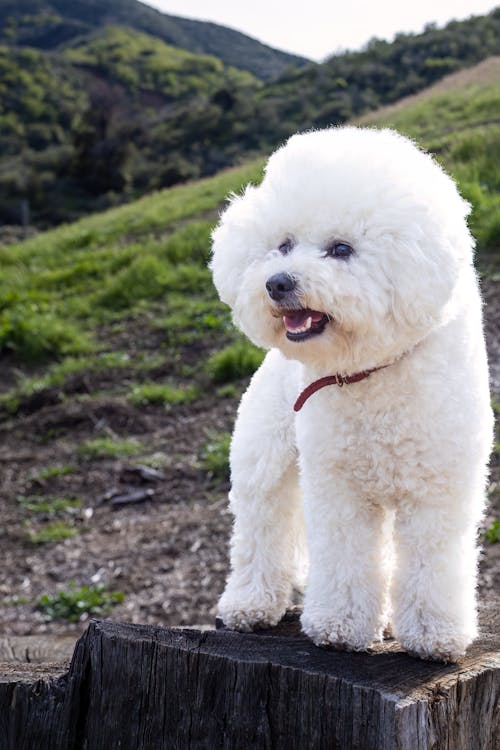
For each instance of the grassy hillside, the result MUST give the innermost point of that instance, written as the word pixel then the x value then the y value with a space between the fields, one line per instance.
pixel 102 120
pixel 42 100
pixel 51 24
pixel 120 378
pixel 136 114
pixel 62 289
pixel 145 64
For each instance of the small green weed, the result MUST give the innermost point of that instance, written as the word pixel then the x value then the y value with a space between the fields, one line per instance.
pixel 77 603
pixel 156 460
pixel 56 531
pixel 236 361
pixel 107 447
pixel 227 391
pixel 162 395
pixel 492 534
pixel 50 505
pixel 215 455
pixel 50 472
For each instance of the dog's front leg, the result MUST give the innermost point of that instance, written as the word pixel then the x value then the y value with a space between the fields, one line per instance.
pixel 346 594
pixel 267 545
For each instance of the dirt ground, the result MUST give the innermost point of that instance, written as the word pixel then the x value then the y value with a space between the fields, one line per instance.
pixel 167 554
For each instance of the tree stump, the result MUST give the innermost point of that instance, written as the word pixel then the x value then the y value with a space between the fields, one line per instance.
pixel 135 687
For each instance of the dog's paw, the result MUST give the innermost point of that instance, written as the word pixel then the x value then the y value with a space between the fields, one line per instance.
pixel 245 613
pixel 339 633
pixel 442 649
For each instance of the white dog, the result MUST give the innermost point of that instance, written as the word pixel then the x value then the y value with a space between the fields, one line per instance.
pixel 352 264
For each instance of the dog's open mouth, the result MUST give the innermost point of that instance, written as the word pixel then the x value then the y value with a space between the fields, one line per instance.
pixel 303 323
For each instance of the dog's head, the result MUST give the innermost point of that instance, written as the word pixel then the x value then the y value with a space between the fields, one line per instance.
pixel 348 252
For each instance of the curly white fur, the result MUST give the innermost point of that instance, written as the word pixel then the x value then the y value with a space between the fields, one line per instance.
pixel 392 469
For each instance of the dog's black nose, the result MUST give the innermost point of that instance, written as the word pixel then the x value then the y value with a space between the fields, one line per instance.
pixel 279 285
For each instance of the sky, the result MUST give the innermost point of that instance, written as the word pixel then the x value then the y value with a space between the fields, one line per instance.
pixel 318 28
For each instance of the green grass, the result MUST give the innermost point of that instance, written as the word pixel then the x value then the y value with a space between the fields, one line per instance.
pixel 57 374
pixel 190 320
pixel 228 391
pixel 49 518
pixel 51 472
pixel 35 332
pixel 162 395
pixel 56 531
pixel 69 297
pixel 215 455
pixel 492 533
pixel 235 361
pixel 50 505
pixel 59 288
pixel 75 604
pixel 106 447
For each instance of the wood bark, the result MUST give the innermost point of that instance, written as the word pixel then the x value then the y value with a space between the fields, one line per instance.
pixel 148 688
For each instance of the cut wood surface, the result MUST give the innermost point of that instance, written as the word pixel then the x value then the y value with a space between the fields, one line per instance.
pixel 133 686
pixel 29 649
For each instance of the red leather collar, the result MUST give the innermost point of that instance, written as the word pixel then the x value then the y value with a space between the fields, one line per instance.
pixel 332 380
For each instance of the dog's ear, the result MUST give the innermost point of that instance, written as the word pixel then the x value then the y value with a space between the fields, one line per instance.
pixel 234 244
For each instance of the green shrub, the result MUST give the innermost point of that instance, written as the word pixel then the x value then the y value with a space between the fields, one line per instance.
pixel 234 362
pixel 76 603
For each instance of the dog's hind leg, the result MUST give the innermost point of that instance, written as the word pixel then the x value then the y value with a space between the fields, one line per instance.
pixel 434 589
pixel 268 540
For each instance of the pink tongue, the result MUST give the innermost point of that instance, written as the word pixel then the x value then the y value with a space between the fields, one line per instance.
pixel 297 318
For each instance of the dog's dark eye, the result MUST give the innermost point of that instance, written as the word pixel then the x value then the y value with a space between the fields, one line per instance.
pixel 285 246
pixel 339 250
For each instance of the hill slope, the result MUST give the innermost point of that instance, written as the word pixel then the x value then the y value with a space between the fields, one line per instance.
pixel 116 353
pixel 135 114
pixel 104 117
pixel 355 82
pixel 486 73
pixel 51 24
